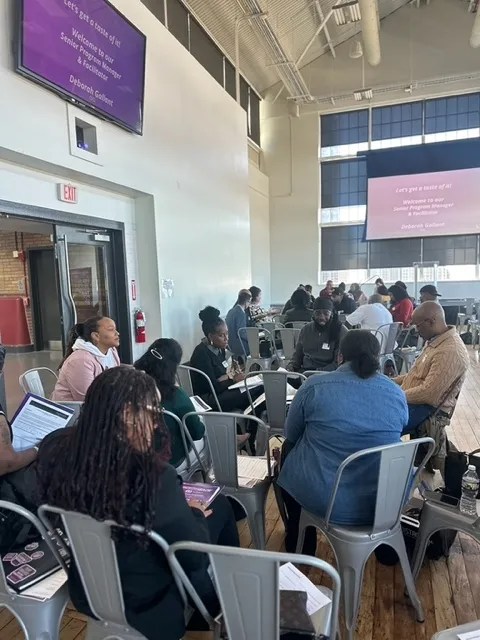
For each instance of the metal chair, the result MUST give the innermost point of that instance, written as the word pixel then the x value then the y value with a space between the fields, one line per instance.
pixel 221 431
pixel 437 515
pixel 31 381
pixel 276 396
pixel 252 334
pixel 247 582
pixel 297 324
pixel 184 377
pixel 390 333
pixel 271 326
pixel 95 557
pixel 193 462
pixel 289 338
pixel 353 545
pixel 454 634
pixel 76 406
pixel 37 619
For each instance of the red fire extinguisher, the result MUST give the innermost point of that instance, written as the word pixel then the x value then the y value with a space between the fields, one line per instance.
pixel 140 332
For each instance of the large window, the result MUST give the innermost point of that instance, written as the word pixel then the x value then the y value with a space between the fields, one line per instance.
pixel 194 38
pixel 344 190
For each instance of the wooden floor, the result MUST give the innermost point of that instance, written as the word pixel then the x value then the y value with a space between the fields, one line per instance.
pixel 449 588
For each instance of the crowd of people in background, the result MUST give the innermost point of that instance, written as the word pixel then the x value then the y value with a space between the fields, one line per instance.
pixel 124 451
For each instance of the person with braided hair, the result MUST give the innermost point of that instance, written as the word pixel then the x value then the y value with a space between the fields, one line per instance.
pixel 113 467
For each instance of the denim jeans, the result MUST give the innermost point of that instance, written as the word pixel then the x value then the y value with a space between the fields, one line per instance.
pixel 417 413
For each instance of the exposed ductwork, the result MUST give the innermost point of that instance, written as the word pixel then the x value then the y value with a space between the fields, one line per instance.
pixel 286 68
pixel 475 37
pixel 371 31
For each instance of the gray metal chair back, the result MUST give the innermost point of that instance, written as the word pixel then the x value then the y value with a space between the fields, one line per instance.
pixel 390 332
pixel 395 480
pixel 31 381
pixel 289 338
pixel 37 619
pixel 353 545
pixel 275 389
pixel 247 583
pixel 187 468
pixel 271 326
pixel 313 372
pixel 298 324
pixel 95 556
pixel 221 432
pixel 184 377
pixel 252 334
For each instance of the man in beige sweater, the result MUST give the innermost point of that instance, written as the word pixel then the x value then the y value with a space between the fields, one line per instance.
pixel 437 376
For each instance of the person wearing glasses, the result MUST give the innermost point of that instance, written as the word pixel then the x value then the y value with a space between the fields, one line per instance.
pixel 319 341
pixel 436 378
pixel 161 361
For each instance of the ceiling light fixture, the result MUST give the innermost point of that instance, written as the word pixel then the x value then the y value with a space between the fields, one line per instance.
pixel 347 12
pixel 363 94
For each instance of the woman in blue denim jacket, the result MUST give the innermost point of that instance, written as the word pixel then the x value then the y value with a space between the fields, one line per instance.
pixel 333 416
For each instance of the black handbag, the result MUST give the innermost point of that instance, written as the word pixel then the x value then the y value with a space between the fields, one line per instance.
pixel 456 463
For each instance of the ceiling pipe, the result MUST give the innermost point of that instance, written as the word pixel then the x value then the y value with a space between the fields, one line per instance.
pixel 475 37
pixel 371 31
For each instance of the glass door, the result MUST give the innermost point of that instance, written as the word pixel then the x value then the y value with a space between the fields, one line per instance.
pixel 86 275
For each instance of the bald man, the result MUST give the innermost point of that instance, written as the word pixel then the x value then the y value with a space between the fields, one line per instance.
pixel 437 376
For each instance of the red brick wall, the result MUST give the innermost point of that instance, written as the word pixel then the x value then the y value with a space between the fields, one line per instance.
pixel 14 273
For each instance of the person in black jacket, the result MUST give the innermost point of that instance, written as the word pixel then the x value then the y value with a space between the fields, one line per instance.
pixel 210 357
pixel 301 310
pixel 107 467
pixel 342 302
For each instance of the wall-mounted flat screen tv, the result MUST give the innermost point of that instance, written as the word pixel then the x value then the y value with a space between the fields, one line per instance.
pixel 89 53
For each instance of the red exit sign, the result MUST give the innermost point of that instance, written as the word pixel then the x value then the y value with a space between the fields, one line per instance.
pixel 68 193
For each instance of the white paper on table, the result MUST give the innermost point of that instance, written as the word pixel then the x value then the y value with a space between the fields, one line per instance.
pixel 254 381
pixel 35 419
pixel 200 405
pixel 252 468
pixel 47 588
pixel 470 635
pixel 292 579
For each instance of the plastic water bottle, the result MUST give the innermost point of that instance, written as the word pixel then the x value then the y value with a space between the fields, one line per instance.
pixel 470 484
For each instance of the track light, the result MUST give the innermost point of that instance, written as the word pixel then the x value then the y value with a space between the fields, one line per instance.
pixel 347 12
pixel 363 94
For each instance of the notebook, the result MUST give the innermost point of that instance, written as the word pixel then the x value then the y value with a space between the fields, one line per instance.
pixel 28 564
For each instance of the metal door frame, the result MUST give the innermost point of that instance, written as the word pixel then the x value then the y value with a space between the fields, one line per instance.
pixel 117 231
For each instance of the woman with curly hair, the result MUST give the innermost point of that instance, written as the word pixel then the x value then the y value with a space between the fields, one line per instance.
pixel 109 468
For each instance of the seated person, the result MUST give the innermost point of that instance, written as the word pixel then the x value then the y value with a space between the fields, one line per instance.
pixel 111 471
pixel 161 361
pixel 357 294
pixel 255 313
pixel 210 357
pixel 372 316
pixel 92 348
pixel 383 292
pixel 343 303
pixel 237 319
pixel 309 290
pixel 288 304
pixel 328 290
pixel 402 306
pixel 330 418
pixel 11 460
pixel 437 376
pixel 429 292
pixel 301 310
pixel 318 342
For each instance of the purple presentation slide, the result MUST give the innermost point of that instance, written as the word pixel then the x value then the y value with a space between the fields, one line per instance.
pixel 88 50
pixel 426 204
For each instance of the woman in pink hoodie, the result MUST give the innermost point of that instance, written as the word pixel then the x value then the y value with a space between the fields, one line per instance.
pixel 92 348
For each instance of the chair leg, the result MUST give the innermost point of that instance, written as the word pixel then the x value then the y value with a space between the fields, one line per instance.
pixel 254 505
pixel 351 559
pixel 421 544
pixel 42 620
pixel 398 544
pixel 280 503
